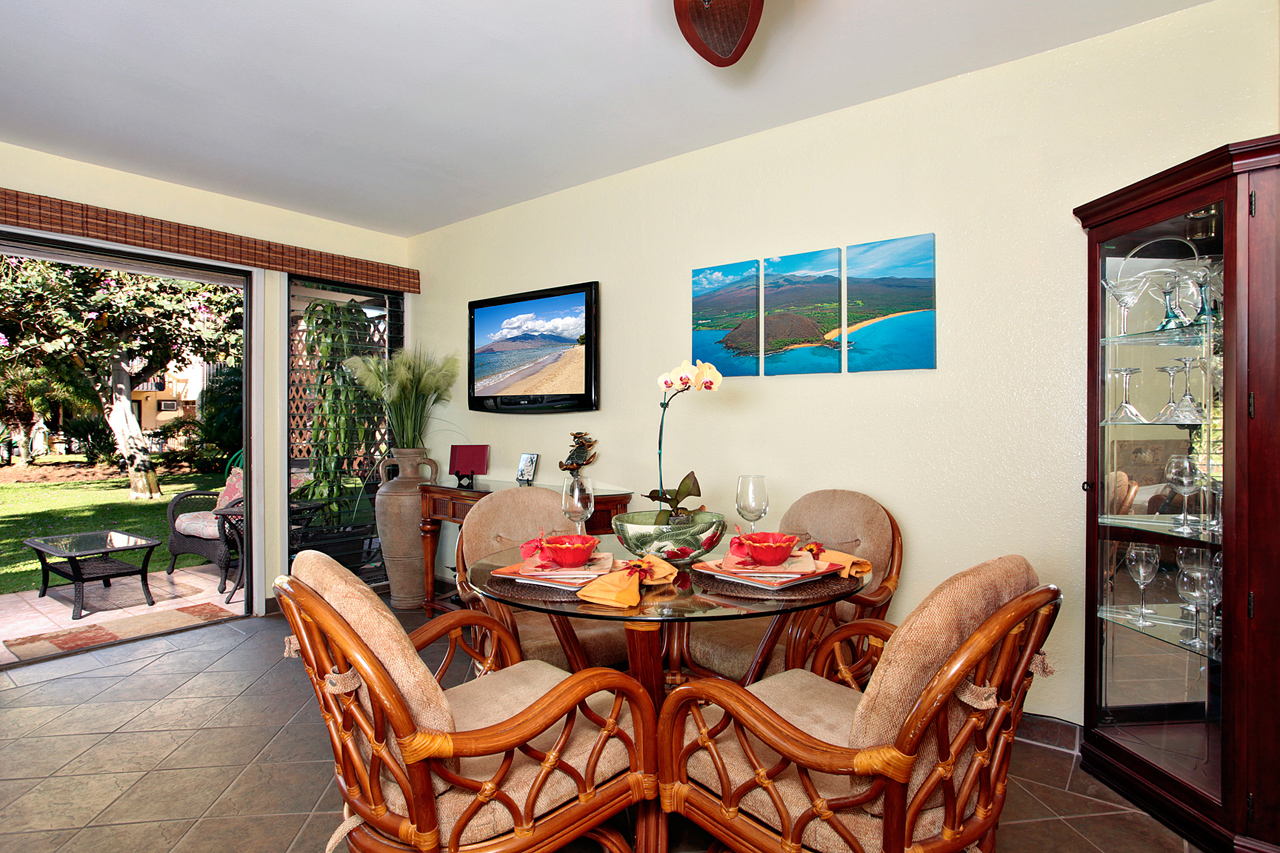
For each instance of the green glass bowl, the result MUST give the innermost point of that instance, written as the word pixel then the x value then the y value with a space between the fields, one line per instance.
pixel 682 542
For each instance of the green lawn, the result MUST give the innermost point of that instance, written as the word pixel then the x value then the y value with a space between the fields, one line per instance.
pixel 47 509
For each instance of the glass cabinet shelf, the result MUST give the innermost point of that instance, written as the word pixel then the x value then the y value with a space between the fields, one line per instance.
pixel 1158 524
pixel 1170 626
pixel 1186 336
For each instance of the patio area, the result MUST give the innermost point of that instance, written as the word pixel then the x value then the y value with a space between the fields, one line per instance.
pixel 32 627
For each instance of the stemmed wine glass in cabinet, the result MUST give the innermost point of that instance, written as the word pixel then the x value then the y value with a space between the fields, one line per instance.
pixel 1183 477
pixel 753 498
pixel 578 501
pixel 1142 562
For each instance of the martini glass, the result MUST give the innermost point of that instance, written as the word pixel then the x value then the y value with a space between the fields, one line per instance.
pixel 1125 413
pixel 1167 412
pixel 1188 410
pixel 1125 292
pixel 1183 476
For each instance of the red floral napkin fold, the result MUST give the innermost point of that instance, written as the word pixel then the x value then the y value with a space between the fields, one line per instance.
pixel 621 587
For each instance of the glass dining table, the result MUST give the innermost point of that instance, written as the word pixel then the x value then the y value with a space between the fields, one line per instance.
pixel 657 625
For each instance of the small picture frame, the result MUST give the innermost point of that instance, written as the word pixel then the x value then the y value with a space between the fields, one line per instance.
pixel 526 469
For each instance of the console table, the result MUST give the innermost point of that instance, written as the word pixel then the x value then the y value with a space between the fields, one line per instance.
pixel 449 503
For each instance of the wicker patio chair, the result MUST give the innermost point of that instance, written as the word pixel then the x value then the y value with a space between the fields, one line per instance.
pixel 194 529
pixel 919 760
pixel 523 758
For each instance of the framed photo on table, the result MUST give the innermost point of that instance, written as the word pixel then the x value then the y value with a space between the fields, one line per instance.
pixel 525 470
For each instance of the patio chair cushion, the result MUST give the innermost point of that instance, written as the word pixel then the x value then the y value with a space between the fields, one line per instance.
pixel 233 490
pixel 201 525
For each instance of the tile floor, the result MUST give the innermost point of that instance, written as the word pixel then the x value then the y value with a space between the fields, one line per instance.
pixel 209 740
pixel 23 614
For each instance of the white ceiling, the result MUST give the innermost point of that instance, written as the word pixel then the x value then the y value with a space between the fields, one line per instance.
pixel 406 115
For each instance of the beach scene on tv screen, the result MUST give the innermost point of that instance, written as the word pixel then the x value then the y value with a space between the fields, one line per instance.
pixel 532 347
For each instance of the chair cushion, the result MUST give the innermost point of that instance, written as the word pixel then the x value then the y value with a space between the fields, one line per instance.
pixel 509 518
pixel 845 521
pixel 730 646
pixel 930 634
pixel 378 627
pixel 605 643
pixel 504 695
pixel 233 490
pixel 199 525
pixel 819 708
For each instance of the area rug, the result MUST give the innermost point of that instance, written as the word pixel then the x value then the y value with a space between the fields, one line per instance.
pixel 74 639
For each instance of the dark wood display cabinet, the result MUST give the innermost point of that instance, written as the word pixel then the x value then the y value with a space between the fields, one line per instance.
pixel 1182 693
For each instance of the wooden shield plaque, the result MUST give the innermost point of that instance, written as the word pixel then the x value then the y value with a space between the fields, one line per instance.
pixel 719 30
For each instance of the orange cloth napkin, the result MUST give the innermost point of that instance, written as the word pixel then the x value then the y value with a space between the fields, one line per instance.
pixel 849 564
pixel 621 587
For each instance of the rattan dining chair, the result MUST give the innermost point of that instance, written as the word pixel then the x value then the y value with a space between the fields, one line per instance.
pixel 919 760
pixel 842 520
pixel 524 757
pixel 507 519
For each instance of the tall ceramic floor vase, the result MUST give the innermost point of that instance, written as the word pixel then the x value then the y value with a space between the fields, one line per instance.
pixel 399 512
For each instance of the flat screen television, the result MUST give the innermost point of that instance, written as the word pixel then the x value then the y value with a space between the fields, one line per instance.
pixel 537 351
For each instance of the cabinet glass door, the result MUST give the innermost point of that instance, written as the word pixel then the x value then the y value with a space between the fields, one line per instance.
pixel 1160 443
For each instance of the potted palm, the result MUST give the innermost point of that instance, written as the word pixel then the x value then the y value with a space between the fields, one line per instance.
pixel 410 385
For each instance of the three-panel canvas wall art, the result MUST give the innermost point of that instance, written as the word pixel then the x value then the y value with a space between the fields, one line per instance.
pixel 873 312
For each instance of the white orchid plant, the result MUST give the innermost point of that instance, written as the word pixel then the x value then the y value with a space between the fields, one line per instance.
pixel 685 377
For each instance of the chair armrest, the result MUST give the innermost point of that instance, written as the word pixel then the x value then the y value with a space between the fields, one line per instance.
pixel 864 639
pixel 873 599
pixel 742 707
pixel 553 707
pixel 175 507
pixel 472 633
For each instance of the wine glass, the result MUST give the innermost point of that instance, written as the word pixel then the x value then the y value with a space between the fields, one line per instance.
pixel 1183 476
pixel 1170 407
pixel 577 501
pixel 1142 562
pixel 1213 598
pixel 1216 488
pixel 1193 565
pixel 1125 292
pixel 1126 413
pixel 753 498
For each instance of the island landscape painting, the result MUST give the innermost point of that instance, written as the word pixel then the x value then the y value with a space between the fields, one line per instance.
pixel 801 295
pixel 726 303
pixel 891 321
pixel 532 347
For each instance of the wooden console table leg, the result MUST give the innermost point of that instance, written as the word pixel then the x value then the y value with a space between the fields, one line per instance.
pixel 430 540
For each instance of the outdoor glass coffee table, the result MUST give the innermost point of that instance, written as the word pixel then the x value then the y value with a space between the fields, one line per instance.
pixel 84 558
pixel 652 625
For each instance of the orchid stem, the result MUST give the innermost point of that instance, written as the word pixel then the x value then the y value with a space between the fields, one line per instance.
pixel 661 423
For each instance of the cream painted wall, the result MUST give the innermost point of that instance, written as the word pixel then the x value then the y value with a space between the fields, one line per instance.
pixel 981 457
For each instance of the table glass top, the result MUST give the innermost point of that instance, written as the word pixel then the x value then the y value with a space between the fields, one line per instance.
pixel 683 601
pixel 88 544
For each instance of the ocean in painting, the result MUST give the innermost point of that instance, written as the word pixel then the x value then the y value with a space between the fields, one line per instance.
pixel 908 342
pixel 803 360
pixel 493 367
pixel 706 347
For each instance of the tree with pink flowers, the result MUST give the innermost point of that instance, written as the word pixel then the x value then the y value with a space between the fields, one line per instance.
pixel 116 330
